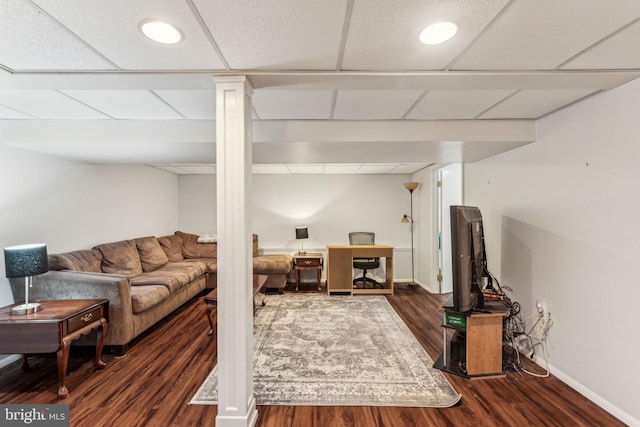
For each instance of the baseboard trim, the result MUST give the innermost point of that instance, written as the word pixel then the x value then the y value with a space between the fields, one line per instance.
pixel 589 394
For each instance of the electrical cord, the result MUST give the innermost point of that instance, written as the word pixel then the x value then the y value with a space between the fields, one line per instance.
pixel 515 327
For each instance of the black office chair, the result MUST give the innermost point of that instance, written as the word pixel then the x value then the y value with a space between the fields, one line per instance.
pixel 364 238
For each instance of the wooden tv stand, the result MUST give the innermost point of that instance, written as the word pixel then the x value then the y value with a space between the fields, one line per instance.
pixel 475 349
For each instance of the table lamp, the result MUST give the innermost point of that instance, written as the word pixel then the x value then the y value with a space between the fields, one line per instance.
pixel 26 261
pixel 302 233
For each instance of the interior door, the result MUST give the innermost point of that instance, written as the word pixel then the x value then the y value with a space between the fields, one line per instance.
pixel 448 192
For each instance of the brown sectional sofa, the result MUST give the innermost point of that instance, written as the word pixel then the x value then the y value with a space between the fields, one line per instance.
pixel 144 279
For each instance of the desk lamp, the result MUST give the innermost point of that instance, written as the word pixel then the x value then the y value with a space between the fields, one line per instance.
pixel 409 219
pixel 26 261
pixel 302 233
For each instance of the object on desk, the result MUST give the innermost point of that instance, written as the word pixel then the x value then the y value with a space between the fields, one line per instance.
pixel 302 233
pixel 364 238
pixel 26 261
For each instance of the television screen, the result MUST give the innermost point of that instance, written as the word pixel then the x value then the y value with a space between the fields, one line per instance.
pixel 468 258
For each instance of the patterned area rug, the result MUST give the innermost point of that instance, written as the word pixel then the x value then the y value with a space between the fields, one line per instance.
pixel 318 350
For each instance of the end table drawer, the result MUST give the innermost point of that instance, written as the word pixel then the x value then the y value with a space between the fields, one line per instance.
pixel 308 262
pixel 83 319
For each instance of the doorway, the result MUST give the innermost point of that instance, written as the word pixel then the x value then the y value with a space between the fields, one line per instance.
pixel 447 192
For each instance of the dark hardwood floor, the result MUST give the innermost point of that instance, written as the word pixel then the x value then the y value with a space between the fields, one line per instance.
pixel 153 384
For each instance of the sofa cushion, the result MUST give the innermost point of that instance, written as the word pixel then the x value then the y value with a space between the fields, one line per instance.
pixel 87 260
pixel 145 297
pixel 120 258
pixel 266 264
pixel 192 249
pixel 172 246
pixel 211 263
pixel 152 257
pixel 172 276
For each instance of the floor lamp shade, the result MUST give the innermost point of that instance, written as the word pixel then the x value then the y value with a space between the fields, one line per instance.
pixel 26 261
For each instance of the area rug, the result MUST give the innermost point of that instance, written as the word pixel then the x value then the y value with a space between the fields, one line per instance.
pixel 318 350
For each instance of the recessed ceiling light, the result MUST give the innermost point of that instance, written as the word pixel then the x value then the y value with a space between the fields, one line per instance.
pixel 438 33
pixel 161 32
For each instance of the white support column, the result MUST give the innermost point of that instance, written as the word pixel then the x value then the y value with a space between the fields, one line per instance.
pixel 236 402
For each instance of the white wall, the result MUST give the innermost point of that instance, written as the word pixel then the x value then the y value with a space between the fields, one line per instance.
pixel 71 205
pixel 330 205
pixel 563 213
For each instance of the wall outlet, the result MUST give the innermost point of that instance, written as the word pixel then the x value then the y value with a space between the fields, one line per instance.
pixel 542 310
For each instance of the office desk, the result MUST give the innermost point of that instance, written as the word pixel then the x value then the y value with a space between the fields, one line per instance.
pixel 340 267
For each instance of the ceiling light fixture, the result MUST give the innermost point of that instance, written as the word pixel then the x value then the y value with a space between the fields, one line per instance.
pixel 161 32
pixel 438 33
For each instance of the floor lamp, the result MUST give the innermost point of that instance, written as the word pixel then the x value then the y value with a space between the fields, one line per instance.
pixel 409 219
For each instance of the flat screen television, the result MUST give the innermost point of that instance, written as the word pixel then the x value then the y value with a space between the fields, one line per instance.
pixel 468 258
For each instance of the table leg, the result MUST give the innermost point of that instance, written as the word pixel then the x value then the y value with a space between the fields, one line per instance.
pixel 210 307
pixel 319 278
pixel 63 361
pixel 297 279
pixel 25 362
pixel 102 332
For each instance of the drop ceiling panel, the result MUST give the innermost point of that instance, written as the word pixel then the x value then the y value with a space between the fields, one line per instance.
pixel 274 169
pixel 124 152
pixel 9 113
pixel 531 104
pixel 292 104
pixel 376 169
pixel 383 35
pixel 126 104
pixel 111 27
pixel 285 35
pixel 192 104
pixel 410 167
pixel 47 104
pixel 306 169
pixel 456 104
pixel 36 42
pixel 542 34
pixel 612 54
pixel 374 104
pixel 341 169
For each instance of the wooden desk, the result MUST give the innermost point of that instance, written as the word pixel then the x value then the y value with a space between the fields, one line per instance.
pixel 52 329
pixel 211 299
pixel 340 267
pixel 308 261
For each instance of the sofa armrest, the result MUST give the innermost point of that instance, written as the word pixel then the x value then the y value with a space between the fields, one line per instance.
pixel 68 284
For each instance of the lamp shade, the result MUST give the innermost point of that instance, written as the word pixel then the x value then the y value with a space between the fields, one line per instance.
pixel 411 185
pixel 26 260
pixel 302 233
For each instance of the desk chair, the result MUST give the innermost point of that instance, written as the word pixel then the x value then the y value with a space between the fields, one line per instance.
pixel 364 238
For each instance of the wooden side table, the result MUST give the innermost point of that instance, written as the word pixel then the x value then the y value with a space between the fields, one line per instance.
pixel 308 261
pixel 211 299
pixel 52 329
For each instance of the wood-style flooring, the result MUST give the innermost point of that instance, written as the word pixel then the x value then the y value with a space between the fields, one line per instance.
pixel 161 372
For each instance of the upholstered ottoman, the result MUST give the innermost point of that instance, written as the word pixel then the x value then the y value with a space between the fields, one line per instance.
pixel 277 267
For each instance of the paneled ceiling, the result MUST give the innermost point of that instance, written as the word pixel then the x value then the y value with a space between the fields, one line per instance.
pixel 341 86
